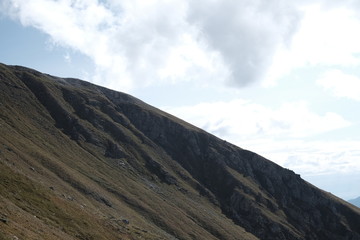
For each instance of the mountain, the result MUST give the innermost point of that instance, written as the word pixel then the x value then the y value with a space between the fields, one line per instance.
pixel 79 161
pixel 355 202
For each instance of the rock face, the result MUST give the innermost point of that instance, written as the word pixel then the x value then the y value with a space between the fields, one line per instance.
pixel 99 156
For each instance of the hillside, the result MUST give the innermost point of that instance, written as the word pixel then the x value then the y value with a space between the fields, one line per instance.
pixel 79 161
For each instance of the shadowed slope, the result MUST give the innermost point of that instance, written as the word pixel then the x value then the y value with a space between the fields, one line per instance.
pixel 84 162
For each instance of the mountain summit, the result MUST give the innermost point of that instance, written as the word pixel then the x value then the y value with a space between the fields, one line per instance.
pixel 79 161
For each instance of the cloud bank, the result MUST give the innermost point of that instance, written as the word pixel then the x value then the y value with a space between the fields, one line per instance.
pixel 243 120
pixel 140 42
pixel 134 42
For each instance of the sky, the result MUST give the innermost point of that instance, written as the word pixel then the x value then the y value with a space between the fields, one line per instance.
pixel 280 78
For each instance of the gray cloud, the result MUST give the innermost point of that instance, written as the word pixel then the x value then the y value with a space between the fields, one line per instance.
pixel 246 33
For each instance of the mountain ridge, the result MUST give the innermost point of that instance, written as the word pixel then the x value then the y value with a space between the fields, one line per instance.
pixel 145 173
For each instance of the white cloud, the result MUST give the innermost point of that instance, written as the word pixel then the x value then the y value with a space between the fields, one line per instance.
pixel 131 42
pixel 241 119
pixel 309 157
pixel 326 37
pixel 341 84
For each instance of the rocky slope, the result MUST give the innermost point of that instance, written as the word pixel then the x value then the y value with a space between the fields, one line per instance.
pixel 79 161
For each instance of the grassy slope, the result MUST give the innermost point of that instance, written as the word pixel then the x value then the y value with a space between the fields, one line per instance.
pixel 52 187
pixel 74 165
